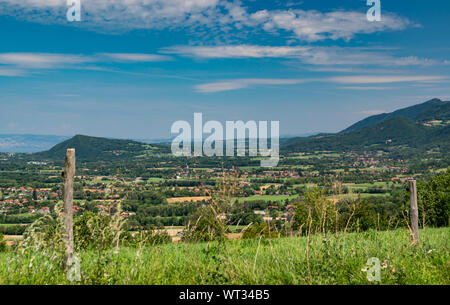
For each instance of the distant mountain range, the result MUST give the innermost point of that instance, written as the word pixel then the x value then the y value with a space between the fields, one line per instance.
pixel 28 143
pixel 424 126
pixel 434 109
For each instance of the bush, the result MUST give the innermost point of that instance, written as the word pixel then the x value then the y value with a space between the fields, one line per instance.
pixel 259 230
pixel 3 246
pixel 206 225
pixel 99 231
pixel 19 218
pixel 434 201
pixel 13 229
pixel 357 215
pixel 315 213
pixel 149 238
pixel 44 233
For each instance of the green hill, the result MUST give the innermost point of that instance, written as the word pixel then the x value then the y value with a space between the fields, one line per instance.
pixel 390 133
pixel 431 110
pixel 94 148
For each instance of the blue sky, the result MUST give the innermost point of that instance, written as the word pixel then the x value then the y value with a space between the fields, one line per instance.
pixel 131 68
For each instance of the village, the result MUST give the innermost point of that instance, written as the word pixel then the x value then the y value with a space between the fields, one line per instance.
pixel 176 190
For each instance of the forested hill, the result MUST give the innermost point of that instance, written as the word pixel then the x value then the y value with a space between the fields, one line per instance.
pixel 423 127
pixel 433 110
pixel 94 148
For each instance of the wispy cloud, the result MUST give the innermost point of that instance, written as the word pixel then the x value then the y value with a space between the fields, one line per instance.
pixel 333 57
pixel 21 64
pixel 220 16
pixel 366 88
pixel 42 60
pixel 244 83
pixel 314 25
pixel 135 57
pixel 129 14
pixel 12 72
pixel 235 84
pixel 382 79
pixel 236 51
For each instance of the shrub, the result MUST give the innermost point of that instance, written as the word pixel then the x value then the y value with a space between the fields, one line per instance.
pixel 149 238
pixel 357 215
pixel 259 230
pixel 434 201
pixel 315 213
pixel 3 246
pixel 44 233
pixel 207 225
pixel 12 229
pixel 99 231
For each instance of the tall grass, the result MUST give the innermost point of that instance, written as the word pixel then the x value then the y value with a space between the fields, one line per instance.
pixel 317 259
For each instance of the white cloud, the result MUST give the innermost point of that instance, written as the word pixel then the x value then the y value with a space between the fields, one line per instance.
pixel 314 25
pixel 20 64
pixel 236 51
pixel 365 88
pixel 363 79
pixel 41 60
pixel 338 56
pixel 12 72
pixel 112 14
pixel 236 84
pixel 216 16
pixel 135 57
pixel 334 57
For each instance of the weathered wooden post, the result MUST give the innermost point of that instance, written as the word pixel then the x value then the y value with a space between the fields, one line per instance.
pixel 414 211
pixel 69 173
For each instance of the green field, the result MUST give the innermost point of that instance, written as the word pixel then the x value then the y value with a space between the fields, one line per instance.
pixel 331 259
pixel 267 198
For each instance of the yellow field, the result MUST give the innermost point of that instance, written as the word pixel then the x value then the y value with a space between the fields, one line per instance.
pixel 11 239
pixel 183 199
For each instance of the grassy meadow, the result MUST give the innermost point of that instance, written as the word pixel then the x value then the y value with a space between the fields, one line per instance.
pixel 318 259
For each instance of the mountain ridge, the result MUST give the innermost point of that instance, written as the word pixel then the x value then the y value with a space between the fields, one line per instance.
pixel 96 148
pixel 432 109
pixel 388 134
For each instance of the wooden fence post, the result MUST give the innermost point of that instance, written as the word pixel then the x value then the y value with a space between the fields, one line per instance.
pixel 414 211
pixel 69 173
